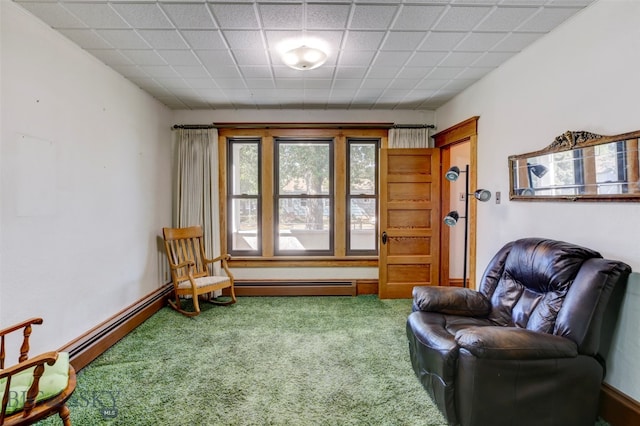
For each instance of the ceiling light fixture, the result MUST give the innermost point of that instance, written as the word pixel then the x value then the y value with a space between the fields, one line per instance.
pixel 304 57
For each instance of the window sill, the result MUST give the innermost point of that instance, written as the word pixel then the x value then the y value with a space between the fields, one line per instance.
pixel 287 261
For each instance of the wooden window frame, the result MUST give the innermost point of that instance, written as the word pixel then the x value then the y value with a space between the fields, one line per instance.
pixel 267 135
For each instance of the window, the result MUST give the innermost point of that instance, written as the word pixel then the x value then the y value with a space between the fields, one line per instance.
pixel 301 195
pixel 362 196
pixel 244 197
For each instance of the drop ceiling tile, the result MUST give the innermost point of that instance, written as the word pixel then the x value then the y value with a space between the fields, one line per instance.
pixel 251 57
pixel 87 39
pixel 318 83
pixel 391 59
pixel 403 40
pixel 493 59
pixel 204 39
pixel 363 40
pixel 179 57
pixel 417 17
pixel 426 59
pixel 506 18
pixel 413 72
pixel 191 72
pixel 431 84
pixel 290 84
pixel 243 39
pixel 462 18
pixel 383 72
pixel 260 83
pixel 344 84
pixel 164 39
pixel 444 73
pixel 189 16
pixel 356 58
pixel 223 71
pixel 322 72
pixel 372 17
pixel 97 15
pixel 201 83
pixel 374 83
pixel 110 56
pixel 215 58
pixel 123 39
pixel 212 94
pixel 53 14
pixel 281 16
pixel 475 73
pixel 143 15
pixel 547 19
pixel 404 83
pixel 253 71
pixel 515 42
pixel 480 42
pixel 171 83
pixel 351 72
pixel 442 41
pixel 144 57
pixel 235 15
pixel 460 59
pixel 159 71
pixel 325 16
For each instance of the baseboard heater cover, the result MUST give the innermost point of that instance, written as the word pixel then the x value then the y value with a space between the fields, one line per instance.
pixel 88 346
pixel 296 288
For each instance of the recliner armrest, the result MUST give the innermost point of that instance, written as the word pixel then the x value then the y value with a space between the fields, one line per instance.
pixel 451 300
pixel 514 343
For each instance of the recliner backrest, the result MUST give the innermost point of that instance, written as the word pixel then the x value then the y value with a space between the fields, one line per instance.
pixel 528 279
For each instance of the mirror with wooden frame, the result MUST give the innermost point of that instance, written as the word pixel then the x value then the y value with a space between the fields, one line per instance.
pixel 578 166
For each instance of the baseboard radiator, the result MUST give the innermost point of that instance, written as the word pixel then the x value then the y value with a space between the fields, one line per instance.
pixel 296 288
pixel 94 342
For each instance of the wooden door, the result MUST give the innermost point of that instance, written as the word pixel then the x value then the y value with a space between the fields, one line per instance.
pixel 409 220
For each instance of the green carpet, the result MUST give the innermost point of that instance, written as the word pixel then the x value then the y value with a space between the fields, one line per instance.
pixel 262 361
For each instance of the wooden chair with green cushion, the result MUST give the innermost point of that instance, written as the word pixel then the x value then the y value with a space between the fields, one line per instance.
pixel 192 273
pixel 37 387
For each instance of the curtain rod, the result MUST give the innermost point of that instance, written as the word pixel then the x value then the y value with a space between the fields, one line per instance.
pixel 414 126
pixel 301 125
pixel 194 126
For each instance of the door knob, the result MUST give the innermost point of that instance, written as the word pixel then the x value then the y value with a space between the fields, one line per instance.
pixel 384 237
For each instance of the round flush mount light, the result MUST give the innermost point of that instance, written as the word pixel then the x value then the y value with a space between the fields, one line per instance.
pixel 304 57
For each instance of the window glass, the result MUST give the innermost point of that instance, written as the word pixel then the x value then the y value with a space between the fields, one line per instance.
pixel 244 195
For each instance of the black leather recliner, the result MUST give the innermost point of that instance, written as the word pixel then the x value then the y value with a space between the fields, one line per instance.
pixel 523 349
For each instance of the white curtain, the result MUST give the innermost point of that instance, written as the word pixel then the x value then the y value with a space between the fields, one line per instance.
pixel 196 185
pixel 410 137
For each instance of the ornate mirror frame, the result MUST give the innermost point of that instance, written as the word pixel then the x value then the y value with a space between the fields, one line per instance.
pixel 578 166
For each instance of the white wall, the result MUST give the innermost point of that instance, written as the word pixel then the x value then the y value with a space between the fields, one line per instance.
pixel 582 76
pixel 85 184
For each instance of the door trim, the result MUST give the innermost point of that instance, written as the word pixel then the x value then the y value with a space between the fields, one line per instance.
pixel 465 131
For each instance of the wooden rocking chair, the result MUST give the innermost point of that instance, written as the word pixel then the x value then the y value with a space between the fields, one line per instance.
pixel 31 390
pixel 192 272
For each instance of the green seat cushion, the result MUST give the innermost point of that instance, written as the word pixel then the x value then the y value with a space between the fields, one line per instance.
pixel 53 381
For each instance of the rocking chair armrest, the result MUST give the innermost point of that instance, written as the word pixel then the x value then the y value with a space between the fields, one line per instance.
pixel 47 357
pixel 186 263
pixel 222 258
pixel 20 325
